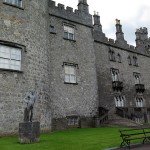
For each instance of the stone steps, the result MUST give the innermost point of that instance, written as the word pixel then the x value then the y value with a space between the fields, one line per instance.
pixel 116 120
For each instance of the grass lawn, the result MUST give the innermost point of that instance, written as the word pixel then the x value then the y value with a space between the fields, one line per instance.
pixel 76 139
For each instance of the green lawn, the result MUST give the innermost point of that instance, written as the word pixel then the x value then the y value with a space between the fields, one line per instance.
pixel 76 139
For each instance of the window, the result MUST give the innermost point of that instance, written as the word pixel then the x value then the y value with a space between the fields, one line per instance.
pixel 135 61
pixel 138 120
pixel 52 29
pixel 69 32
pixel 137 78
pixel 15 2
pixel 129 60
pixel 10 57
pixel 119 58
pixel 119 101
pixel 73 120
pixel 112 55
pixel 139 102
pixel 115 74
pixel 70 73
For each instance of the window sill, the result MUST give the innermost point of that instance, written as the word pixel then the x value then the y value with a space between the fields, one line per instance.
pixel 11 70
pixel 52 32
pixel 136 65
pixel 69 39
pixel 112 60
pixel 70 83
pixel 13 5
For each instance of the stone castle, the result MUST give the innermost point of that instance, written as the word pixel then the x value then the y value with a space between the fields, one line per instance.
pixel 79 75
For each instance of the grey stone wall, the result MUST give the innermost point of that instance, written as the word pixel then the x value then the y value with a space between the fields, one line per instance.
pixel 68 99
pixel 27 27
pixel 103 65
pixel 43 56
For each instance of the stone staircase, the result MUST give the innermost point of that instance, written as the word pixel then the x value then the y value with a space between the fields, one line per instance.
pixel 114 120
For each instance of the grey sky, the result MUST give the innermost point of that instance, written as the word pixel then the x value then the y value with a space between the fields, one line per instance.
pixel 132 13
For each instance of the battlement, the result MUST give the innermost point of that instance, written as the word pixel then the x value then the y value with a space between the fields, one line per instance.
pixel 142 30
pixel 68 13
pixel 112 42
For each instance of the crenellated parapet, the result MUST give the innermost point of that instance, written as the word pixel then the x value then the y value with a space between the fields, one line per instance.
pixel 142 40
pixel 80 15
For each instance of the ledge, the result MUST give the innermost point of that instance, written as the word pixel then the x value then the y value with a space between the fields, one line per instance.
pixel 69 39
pixel 11 70
pixel 126 49
pixel 52 32
pixel 13 5
pixel 71 83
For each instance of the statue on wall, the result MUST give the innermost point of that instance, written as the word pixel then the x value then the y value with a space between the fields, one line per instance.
pixel 29 99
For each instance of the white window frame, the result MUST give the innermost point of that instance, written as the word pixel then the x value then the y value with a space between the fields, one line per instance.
pixel 70 73
pixel 69 32
pixel 17 3
pixel 119 101
pixel 137 78
pixel 115 74
pixel 10 57
pixel 139 102
pixel 138 120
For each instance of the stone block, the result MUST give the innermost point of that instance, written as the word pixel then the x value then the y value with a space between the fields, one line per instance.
pixel 29 132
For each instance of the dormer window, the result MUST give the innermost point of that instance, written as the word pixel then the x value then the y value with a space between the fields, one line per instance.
pixel 17 3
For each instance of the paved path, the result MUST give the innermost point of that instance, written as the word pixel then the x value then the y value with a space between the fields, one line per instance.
pixel 135 147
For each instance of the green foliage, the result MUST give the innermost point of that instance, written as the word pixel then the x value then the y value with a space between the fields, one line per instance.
pixel 76 139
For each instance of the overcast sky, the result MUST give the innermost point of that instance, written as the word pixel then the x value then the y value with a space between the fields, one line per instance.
pixel 132 14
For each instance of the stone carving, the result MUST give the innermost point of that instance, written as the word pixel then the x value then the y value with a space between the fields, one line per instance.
pixel 29 99
pixel 117 21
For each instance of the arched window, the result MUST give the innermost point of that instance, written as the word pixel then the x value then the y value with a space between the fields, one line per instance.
pixel 129 60
pixel 137 78
pixel 111 55
pixel 139 102
pixel 135 61
pixel 119 58
pixel 115 74
pixel 119 101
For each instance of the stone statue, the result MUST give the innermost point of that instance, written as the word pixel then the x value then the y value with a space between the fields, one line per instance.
pixel 29 99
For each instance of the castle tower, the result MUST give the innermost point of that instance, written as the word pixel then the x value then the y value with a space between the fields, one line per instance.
pixel 98 33
pixel 83 6
pixel 97 24
pixel 141 37
pixel 119 33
